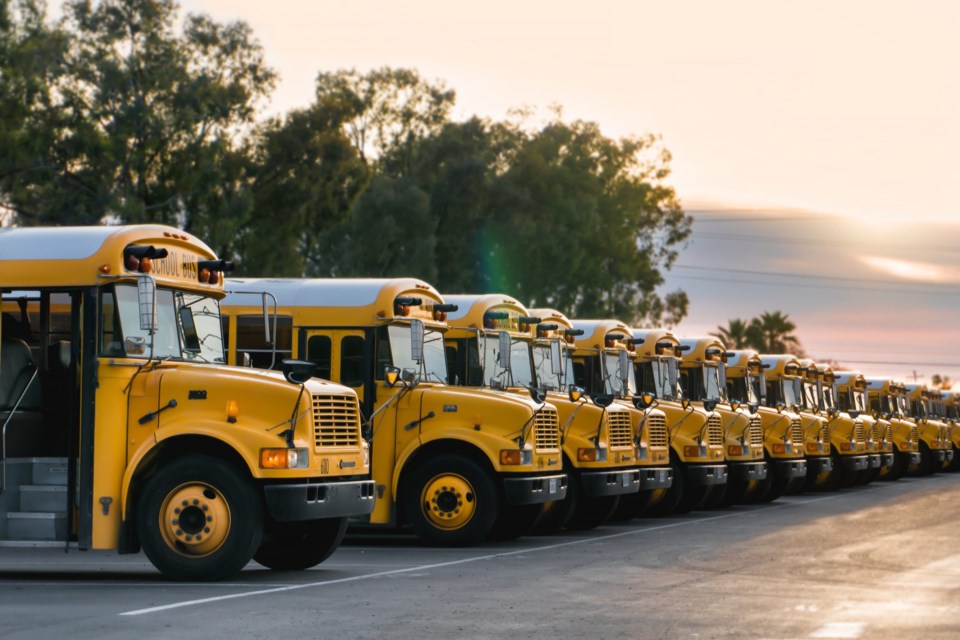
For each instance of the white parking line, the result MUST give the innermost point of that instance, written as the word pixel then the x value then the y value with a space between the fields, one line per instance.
pixel 839 630
pixel 452 563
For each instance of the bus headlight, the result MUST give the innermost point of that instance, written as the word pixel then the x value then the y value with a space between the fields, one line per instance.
pixel 284 458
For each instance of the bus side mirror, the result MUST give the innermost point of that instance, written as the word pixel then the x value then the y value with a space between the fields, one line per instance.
pixel 147 299
pixel 134 345
pixel 503 358
pixel 298 371
pixel 556 358
pixel 644 400
pixel 710 405
pixel 854 414
pixel 391 375
pixel 735 405
pixel 754 407
pixel 575 393
pixel 416 340
pixel 538 395
pixel 602 400
pixel 780 407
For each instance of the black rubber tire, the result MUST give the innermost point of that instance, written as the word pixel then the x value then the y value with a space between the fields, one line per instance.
pixel 832 482
pixel 955 463
pixel 897 468
pixel 592 512
pixel 555 515
pixel 485 493
pixel 515 521
pixel 721 496
pixel 927 465
pixel 244 505
pixel 294 546
pixel 673 496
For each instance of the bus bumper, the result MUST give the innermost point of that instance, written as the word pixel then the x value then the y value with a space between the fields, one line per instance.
pixel 940 455
pixel 746 471
pixel 535 490
pixel 656 478
pixel 855 463
pixel 819 464
pixel 295 502
pixel 610 483
pixel 874 460
pixel 886 460
pixel 910 457
pixel 788 469
pixel 707 474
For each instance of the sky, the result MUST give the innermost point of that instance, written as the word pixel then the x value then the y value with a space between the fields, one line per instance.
pixel 818 139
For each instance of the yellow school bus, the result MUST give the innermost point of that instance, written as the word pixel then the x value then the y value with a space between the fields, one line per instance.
pixel 848 442
pixel 123 428
pixel 884 400
pixel 936 448
pixel 599 456
pixel 695 430
pixel 951 413
pixel 738 402
pixel 852 397
pixel 455 464
pixel 602 364
pixel 798 379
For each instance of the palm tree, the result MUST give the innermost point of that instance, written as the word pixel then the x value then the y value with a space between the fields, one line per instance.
pixel 772 332
pixel 735 335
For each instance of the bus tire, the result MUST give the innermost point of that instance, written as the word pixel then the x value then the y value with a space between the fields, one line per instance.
pixel 295 546
pixel 896 469
pixel 200 519
pixel 927 465
pixel 450 500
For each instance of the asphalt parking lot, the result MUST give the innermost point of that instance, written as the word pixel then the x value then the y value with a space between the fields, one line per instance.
pixel 878 561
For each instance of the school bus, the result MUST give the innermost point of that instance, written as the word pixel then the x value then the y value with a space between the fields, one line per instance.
pixel 951 412
pixel 599 456
pixel 883 395
pixel 456 464
pixel 936 447
pixel 848 443
pixel 602 364
pixel 695 431
pixel 852 397
pixel 123 428
pixel 795 380
pixel 737 403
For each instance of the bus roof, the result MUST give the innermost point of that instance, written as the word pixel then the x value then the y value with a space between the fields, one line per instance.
pixel 491 311
pixel 776 364
pixel 739 359
pixel 596 334
pixel 701 348
pixel 553 324
pixel 74 256
pixel 651 338
pixel 365 300
pixel 846 378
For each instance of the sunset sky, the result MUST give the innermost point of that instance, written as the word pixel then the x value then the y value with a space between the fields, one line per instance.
pixel 808 139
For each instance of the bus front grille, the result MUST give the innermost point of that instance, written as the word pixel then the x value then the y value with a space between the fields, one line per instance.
pixel 756 432
pixel 657 432
pixel 621 434
pixel 714 432
pixel 546 430
pixel 336 421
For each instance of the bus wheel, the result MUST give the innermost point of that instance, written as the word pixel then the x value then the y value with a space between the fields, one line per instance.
pixel 450 500
pixel 896 469
pixel 926 466
pixel 301 545
pixel 200 519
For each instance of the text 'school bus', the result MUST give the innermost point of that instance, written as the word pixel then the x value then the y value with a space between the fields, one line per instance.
pixel 456 464
pixel 123 428
pixel 887 399
pixel 695 430
pixel 599 357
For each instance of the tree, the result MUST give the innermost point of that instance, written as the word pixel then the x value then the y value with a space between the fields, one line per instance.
pixel 772 332
pixel 141 121
pixel 585 223
pixel 736 335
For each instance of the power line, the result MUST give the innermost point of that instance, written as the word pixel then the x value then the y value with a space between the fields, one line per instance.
pixel 812 286
pixel 806 276
pixel 814 241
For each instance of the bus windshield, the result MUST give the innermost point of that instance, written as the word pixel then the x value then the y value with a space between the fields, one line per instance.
pixel 810 395
pixel 188 325
pixel 546 376
pixel 858 399
pixel 828 401
pixel 711 382
pixel 791 392
pixel 521 367
pixel 661 376
pixel 434 365
pixel 613 383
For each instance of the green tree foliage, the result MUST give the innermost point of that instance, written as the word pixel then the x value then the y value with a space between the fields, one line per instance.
pixel 142 121
pixel 770 332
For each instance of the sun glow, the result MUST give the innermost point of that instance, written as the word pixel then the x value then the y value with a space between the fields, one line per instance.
pixel 910 270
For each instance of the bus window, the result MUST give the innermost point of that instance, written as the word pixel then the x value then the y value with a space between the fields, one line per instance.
pixel 251 339
pixel 351 361
pixel 318 352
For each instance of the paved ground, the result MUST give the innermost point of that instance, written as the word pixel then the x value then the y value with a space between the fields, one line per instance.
pixel 881 561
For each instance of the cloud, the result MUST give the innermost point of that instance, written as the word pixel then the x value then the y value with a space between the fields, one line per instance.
pixel 914 270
